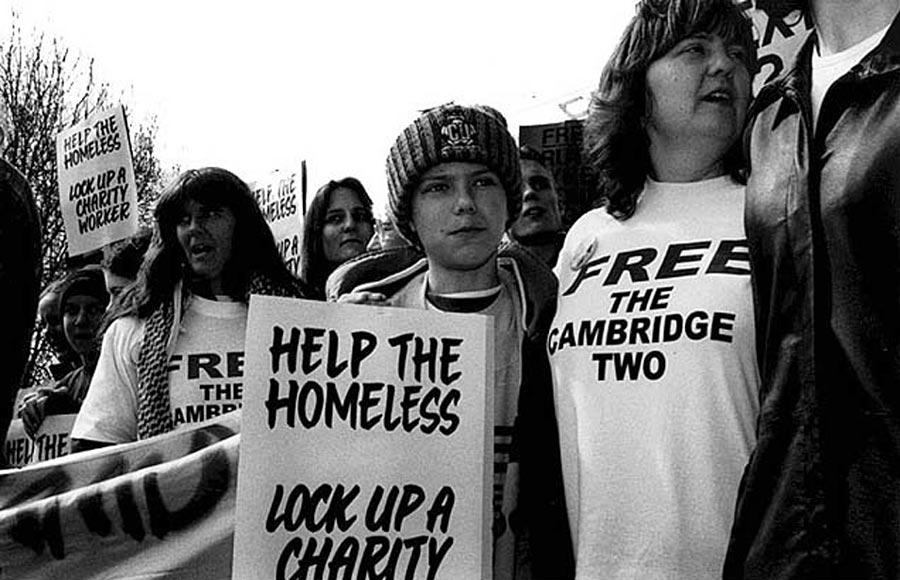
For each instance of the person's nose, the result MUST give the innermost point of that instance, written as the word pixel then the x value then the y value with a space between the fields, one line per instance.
pixel 721 61
pixel 464 202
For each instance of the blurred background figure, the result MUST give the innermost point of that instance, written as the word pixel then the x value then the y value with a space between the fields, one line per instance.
pixel 50 318
pixel 337 227
pixel 386 236
pixel 122 260
pixel 538 227
pixel 82 302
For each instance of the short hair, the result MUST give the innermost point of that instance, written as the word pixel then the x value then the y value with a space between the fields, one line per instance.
pixel 529 153
pixel 615 139
pixel 313 264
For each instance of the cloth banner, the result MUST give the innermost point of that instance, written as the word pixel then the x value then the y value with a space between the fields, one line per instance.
pixel 158 508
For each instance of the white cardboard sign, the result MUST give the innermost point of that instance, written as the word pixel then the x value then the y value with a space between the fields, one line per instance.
pixel 365 443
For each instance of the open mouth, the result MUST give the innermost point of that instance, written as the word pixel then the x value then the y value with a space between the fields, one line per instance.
pixel 200 250
pixel 719 96
pixel 534 212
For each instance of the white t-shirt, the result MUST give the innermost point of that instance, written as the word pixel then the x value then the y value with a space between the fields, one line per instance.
pixel 205 372
pixel 655 381
pixel 829 68
pixel 508 336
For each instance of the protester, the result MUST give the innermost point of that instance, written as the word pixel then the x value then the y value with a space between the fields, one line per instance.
pixel 454 182
pixel 20 275
pixel 122 260
pixel 386 236
pixel 174 351
pixel 337 227
pixel 821 495
pixel 50 318
pixel 538 227
pixel 83 301
pixel 652 346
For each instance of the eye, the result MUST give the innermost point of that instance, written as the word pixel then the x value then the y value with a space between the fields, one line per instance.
pixel 485 181
pixel 362 216
pixel 434 187
pixel 539 183
pixel 694 48
pixel 738 53
pixel 334 218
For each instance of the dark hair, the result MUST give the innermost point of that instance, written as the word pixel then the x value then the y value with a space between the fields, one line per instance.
pixel 124 258
pixel 615 140
pixel 529 153
pixel 253 247
pixel 313 264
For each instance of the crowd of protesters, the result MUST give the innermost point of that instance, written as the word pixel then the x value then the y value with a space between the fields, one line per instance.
pixel 698 378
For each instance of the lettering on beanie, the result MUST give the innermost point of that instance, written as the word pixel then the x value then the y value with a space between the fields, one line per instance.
pixel 458 134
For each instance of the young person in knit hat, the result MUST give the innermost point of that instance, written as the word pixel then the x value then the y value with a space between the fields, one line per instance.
pixel 211 249
pixel 454 186
pixel 82 302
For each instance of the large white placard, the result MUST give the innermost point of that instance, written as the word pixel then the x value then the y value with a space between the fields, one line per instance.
pixel 97 189
pixel 366 443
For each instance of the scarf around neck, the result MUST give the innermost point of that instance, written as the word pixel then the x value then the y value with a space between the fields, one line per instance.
pixel 161 334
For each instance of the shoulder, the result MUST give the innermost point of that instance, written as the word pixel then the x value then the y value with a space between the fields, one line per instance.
pixel 387 270
pixel 535 284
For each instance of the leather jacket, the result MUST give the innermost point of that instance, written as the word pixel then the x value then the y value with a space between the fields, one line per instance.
pixel 820 497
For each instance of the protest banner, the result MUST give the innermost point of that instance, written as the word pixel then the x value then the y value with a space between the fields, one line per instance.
pixel 282 198
pixel 158 508
pixel 97 189
pixel 366 443
pixel 51 441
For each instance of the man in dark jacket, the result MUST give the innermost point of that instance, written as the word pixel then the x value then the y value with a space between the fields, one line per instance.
pixel 821 495
pixel 20 269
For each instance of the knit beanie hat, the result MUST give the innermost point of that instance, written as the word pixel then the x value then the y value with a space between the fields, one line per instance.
pixel 87 281
pixel 448 133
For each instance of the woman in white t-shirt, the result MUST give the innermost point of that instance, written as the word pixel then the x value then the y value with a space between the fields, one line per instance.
pixel 173 353
pixel 652 345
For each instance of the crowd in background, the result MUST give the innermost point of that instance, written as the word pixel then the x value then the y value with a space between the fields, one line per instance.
pixel 698 378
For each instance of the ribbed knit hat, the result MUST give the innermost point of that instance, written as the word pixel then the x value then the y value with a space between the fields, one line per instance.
pixel 87 281
pixel 473 134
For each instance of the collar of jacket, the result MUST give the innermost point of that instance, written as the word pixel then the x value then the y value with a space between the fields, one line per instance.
pixel 795 82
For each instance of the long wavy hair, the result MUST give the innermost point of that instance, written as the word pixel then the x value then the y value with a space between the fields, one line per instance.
pixel 615 140
pixel 253 248
pixel 313 264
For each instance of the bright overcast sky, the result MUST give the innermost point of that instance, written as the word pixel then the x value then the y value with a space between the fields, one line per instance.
pixel 258 86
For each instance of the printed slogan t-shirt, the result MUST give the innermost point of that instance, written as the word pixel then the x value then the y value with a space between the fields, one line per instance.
pixel 205 372
pixel 655 381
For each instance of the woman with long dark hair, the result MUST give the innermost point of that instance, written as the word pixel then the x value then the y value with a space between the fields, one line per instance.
pixel 173 349
pixel 338 226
